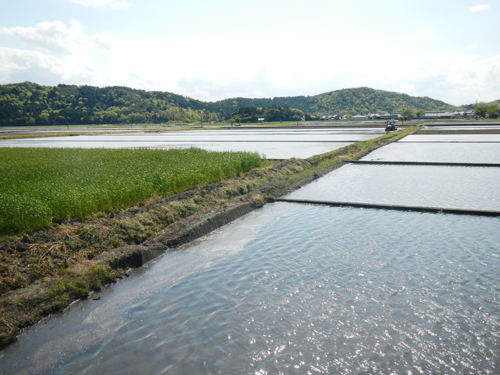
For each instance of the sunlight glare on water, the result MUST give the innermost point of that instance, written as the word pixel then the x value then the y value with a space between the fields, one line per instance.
pixel 318 289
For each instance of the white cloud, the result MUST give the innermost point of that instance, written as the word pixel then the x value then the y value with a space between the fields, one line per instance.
pixel 479 8
pixel 195 67
pixel 103 3
pixel 56 38
pixel 21 65
pixel 51 36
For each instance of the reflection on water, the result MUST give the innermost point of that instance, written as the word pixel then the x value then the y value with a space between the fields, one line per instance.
pixel 208 136
pixel 474 188
pixel 451 138
pixel 308 289
pixel 273 144
pixel 438 152
pixel 271 150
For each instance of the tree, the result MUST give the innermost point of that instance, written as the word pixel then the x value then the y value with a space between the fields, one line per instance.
pixel 480 110
pixel 420 113
pixel 407 113
pixel 493 111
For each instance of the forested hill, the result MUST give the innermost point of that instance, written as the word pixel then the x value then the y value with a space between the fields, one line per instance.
pixel 29 103
pixel 361 100
pixel 32 104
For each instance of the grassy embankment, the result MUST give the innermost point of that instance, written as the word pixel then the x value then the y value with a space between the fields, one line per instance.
pixel 43 271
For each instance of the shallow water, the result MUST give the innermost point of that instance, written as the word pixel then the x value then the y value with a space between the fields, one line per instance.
pixel 451 138
pixel 295 289
pixel 270 150
pixel 206 136
pixel 473 188
pixel 273 144
pixel 438 152
pixel 462 127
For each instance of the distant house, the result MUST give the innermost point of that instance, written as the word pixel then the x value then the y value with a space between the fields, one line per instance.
pixel 389 116
pixel 331 117
pixel 443 115
pixel 261 119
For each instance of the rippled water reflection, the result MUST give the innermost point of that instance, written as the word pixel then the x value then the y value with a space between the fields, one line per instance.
pixel 474 188
pixel 272 144
pixel 270 150
pixel 451 138
pixel 438 152
pixel 298 289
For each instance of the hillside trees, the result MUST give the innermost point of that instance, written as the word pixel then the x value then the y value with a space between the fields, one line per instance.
pixel 30 103
pixel 491 110
pixel 274 113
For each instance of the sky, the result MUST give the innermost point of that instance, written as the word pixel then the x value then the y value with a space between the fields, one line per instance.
pixel 218 49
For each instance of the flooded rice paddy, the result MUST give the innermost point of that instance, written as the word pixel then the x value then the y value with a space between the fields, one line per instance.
pixel 438 152
pixel 473 188
pixel 296 289
pixel 272 144
pixel 447 138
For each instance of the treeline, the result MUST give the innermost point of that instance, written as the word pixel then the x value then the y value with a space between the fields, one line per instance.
pixel 32 104
pixel 491 110
pixel 274 113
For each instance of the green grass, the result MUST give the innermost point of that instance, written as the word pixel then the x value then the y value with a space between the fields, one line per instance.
pixel 40 185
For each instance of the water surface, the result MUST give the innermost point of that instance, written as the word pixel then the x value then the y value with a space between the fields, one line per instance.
pixel 269 150
pixel 480 138
pixel 438 152
pixel 273 144
pixel 295 289
pixel 474 188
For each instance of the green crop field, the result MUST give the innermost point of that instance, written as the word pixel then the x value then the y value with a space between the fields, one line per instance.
pixel 39 185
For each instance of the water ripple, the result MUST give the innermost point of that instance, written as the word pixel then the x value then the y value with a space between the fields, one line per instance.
pixel 348 291
pixel 473 188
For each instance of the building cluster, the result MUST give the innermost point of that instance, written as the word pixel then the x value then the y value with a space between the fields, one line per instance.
pixel 397 116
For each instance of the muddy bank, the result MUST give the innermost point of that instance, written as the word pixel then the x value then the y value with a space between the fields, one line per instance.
pixel 42 272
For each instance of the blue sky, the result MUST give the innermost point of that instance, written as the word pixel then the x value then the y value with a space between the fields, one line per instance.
pixel 216 49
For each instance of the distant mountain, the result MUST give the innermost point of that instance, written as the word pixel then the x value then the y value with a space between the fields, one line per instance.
pixel 32 104
pixel 362 100
pixel 365 100
pixel 473 105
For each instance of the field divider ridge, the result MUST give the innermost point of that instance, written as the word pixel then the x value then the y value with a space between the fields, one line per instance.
pixel 425 163
pixel 456 211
